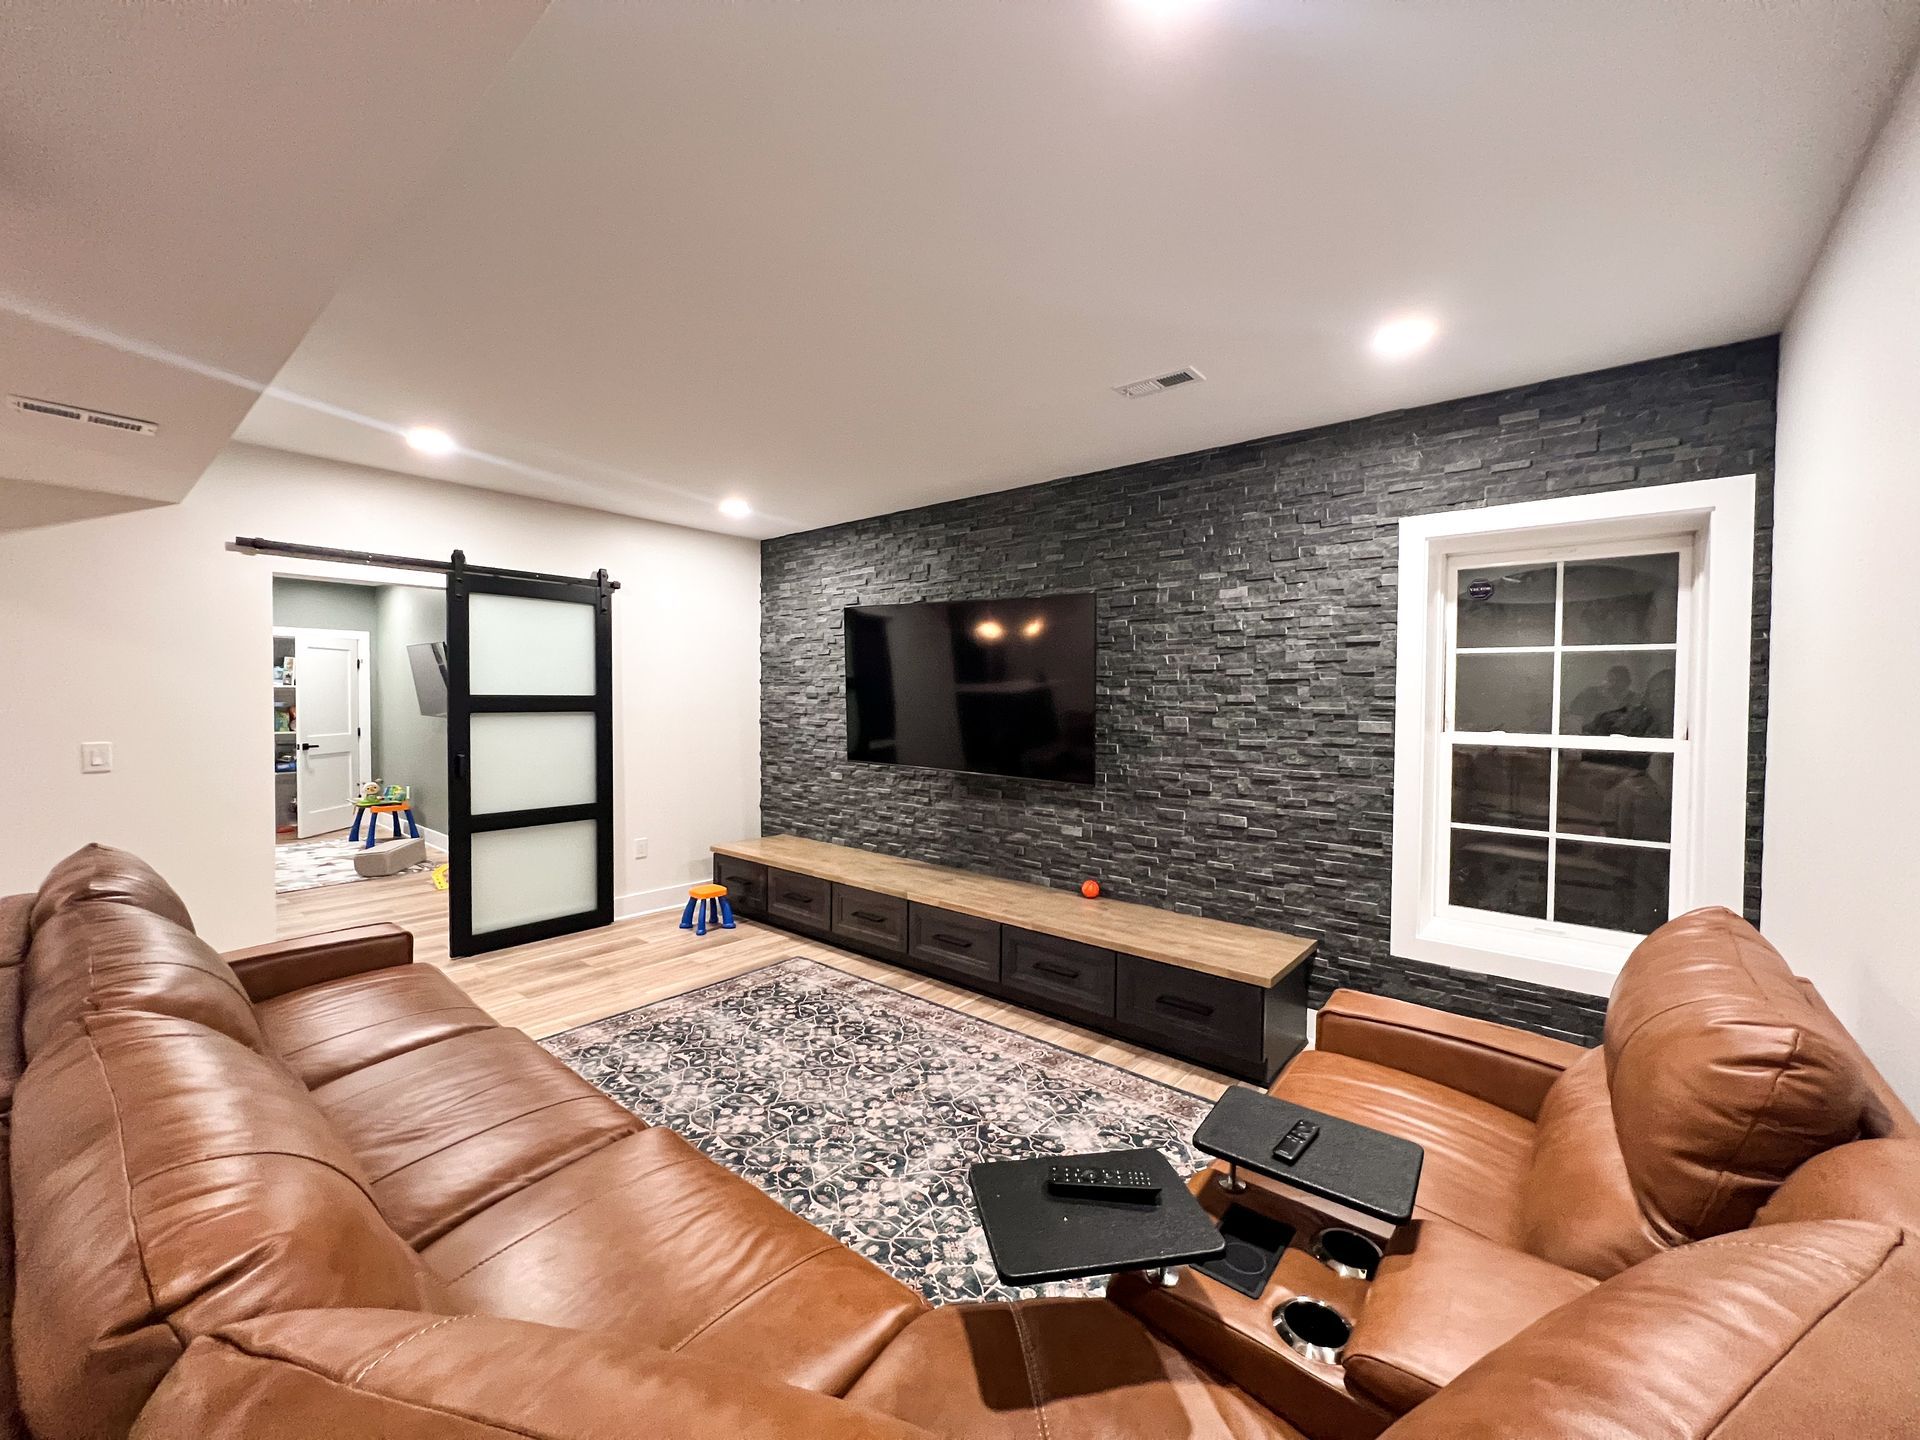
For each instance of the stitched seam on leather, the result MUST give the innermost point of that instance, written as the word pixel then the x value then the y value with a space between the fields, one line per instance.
pixel 573 1209
pixel 1476 1044
pixel 365 1370
pixel 1031 1367
pixel 498 1080
pixel 376 1024
pixel 1746 1135
pixel 140 964
pixel 475 1135
pixel 126 1171
pixel 1780 1249
pixel 346 1175
pixel 446 1224
pixel 827 1246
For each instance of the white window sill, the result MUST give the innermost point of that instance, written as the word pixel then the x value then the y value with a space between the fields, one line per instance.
pixel 1542 954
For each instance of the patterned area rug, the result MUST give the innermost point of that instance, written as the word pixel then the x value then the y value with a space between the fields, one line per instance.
pixel 309 864
pixel 861 1109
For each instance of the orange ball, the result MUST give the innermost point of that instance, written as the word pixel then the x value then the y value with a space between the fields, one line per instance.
pixel 1090 889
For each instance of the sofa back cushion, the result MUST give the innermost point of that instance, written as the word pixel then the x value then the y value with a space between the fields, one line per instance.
pixel 15 912
pixel 95 956
pixel 1788 1330
pixel 100 872
pixel 169 1181
pixel 1724 1077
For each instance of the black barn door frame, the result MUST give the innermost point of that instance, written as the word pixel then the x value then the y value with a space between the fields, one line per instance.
pixel 462 705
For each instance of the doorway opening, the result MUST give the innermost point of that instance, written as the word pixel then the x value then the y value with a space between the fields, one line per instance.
pixel 359 731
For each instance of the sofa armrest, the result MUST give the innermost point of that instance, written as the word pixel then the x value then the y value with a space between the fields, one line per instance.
pixel 303 960
pixel 1441 1300
pixel 459 1377
pixel 1499 1064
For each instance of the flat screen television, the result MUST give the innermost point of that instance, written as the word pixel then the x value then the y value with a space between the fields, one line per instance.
pixel 993 687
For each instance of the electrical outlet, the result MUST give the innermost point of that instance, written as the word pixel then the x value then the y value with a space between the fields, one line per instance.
pixel 96 757
pixel 640 848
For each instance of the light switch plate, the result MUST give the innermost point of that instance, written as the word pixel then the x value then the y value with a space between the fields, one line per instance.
pixel 640 848
pixel 96 757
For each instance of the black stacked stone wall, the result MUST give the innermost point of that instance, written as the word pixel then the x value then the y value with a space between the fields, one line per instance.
pixel 1246 602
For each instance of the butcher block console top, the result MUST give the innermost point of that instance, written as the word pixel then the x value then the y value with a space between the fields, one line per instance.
pixel 1190 942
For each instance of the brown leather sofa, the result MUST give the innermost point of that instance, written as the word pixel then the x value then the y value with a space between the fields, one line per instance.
pixel 311 1190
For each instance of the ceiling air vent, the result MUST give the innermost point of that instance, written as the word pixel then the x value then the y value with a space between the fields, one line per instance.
pixel 1135 389
pixel 82 415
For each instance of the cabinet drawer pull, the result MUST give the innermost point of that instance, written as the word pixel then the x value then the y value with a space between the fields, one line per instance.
pixel 1184 1007
pixel 1065 972
pixel 799 897
pixel 953 940
pixel 872 917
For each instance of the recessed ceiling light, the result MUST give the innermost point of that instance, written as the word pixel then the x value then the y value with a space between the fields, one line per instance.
pixel 1404 336
pixel 989 630
pixel 429 441
pixel 734 508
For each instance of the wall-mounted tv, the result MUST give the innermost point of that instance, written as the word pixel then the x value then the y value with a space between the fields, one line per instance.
pixel 995 687
pixel 428 661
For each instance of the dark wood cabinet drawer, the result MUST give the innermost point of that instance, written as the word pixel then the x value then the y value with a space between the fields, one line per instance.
pixel 746 882
pixel 955 945
pixel 876 921
pixel 1200 1016
pixel 1057 974
pixel 802 901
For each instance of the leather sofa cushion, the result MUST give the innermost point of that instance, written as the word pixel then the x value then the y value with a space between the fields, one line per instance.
pixel 170 1181
pixel 650 1240
pixel 96 956
pixel 1442 1298
pixel 326 1031
pixel 1724 1077
pixel 1577 1207
pixel 1793 1330
pixel 15 914
pixel 99 872
pixel 318 1375
pixel 1876 1180
pixel 1476 1153
pixel 447 1130
pixel 1065 1369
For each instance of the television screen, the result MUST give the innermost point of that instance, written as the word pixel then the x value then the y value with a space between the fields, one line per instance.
pixel 997 687
pixel 429 662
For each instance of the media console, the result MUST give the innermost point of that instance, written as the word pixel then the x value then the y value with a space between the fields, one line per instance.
pixel 1229 997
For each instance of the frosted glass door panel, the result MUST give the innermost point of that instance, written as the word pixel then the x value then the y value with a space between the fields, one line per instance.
pixel 521 646
pixel 540 872
pixel 533 759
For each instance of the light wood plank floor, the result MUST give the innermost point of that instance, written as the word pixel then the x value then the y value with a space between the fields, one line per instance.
pixel 557 984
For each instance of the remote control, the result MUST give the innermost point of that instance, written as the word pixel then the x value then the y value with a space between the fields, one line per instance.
pixel 1100 1182
pixel 1294 1143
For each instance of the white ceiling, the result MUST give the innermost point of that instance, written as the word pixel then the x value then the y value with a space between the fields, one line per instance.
pixel 843 257
pixel 182 188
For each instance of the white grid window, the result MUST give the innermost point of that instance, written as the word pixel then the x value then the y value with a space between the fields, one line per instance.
pixel 1570 731
pixel 1565 735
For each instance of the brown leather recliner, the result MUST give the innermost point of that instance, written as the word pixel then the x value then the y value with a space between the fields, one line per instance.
pixel 1549 1167
pixel 311 1190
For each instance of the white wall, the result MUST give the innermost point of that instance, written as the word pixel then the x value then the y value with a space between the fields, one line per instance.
pixel 1842 872
pixel 143 630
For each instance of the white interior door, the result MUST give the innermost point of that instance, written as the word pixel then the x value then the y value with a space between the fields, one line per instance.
pixel 328 676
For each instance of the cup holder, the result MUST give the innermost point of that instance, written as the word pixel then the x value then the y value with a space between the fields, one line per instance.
pixel 1347 1252
pixel 1313 1328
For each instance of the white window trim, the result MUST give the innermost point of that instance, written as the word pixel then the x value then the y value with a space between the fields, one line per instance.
pixel 1718 515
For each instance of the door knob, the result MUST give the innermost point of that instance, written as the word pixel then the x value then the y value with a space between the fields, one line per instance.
pixel 309 745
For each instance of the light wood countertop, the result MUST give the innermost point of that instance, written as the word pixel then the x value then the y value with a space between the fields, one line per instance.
pixel 1191 942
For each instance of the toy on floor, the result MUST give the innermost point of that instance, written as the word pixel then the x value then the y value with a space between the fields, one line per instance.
pixel 390 858
pixel 440 881
pixel 709 902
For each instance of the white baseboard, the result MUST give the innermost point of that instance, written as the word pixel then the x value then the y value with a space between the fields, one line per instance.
pixel 436 838
pixel 646 902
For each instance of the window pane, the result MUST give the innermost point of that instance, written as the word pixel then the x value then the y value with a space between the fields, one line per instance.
pixel 1616 887
pixel 1507 873
pixel 1630 601
pixel 1503 692
pixel 537 873
pixel 1613 793
pixel 1506 606
pixel 1495 785
pixel 522 646
pixel 1616 692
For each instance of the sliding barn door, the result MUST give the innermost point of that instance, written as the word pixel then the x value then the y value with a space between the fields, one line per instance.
pixel 530 758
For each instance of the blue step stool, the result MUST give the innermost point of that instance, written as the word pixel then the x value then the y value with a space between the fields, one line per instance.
pixel 708 904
